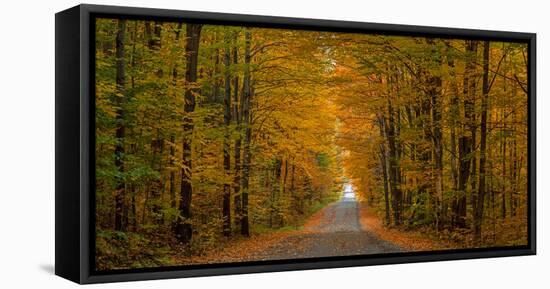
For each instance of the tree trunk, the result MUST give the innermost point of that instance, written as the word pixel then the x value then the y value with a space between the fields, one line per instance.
pixel 216 83
pixel 156 185
pixel 184 228
pixel 237 120
pixel 455 175
pixel 384 165
pixel 247 99
pixel 393 166
pixel 172 179
pixel 513 171
pixel 132 221
pixel 434 92
pixel 466 141
pixel 473 131
pixel 226 210
pixel 284 174
pixel 504 175
pixel 153 35
pixel 157 144
pixel 120 100
pixel 293 196
pixel 478 213
pixel 438 149
pixel 453 123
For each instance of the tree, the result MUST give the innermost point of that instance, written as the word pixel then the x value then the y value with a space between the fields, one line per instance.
pixel 467 139
pixel 183 228
pixel 478 207
pixel 237 119
pixel 120 129
pixel 226 154
pixel 247 123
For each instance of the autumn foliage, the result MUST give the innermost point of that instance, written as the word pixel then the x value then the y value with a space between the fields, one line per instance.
pixel 210 134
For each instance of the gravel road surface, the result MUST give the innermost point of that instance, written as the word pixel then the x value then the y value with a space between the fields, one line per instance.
pixel 338 233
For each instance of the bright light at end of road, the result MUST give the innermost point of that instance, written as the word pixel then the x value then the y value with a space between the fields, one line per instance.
pixel 349 195
pixel 348 188
pixel 348 192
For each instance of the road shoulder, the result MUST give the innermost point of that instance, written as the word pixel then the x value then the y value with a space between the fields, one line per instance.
pixel 408 240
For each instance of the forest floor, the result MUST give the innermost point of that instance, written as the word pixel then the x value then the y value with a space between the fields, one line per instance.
pixel 411 240
pixel 343 228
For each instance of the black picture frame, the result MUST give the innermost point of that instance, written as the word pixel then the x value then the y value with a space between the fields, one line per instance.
pixel 74 148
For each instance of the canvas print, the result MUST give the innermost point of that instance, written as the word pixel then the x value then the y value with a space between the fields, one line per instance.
pixel 221 144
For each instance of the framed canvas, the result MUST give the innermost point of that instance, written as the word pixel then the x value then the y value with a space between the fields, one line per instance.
pixel 193 144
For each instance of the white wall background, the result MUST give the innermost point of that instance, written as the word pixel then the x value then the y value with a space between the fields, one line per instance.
pixel 27 143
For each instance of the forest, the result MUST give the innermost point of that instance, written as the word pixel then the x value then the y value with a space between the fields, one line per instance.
pixel 208 135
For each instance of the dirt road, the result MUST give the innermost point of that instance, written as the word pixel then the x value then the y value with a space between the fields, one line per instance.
pixel 337 233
